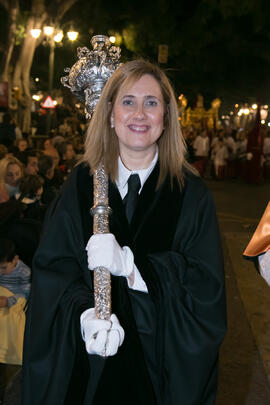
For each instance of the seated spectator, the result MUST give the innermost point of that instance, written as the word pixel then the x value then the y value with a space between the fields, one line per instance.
pixel 31 189
pixel 46 171
pixel 30 161
pixel 11 172
pixel 7 131
pixel 14 291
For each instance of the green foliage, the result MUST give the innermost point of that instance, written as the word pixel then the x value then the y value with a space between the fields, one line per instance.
pixel 20 28
pixel 20 34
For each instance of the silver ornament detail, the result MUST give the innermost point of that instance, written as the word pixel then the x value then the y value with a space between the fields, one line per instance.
pixel 87 77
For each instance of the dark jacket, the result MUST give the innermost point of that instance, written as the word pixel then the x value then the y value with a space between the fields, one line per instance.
pixel 172 335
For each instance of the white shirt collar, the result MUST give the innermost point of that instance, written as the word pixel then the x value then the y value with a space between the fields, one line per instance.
pixel 124 173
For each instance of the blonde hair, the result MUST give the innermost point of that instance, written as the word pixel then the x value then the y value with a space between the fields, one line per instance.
pixel 4 163
pixel 102 142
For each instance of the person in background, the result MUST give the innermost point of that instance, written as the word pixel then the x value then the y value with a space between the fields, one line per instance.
pixel 266 155
pixel 29 159
pixel 22 144
pixel 67 157
pixel 15 285
pixel 47 145
pixel 230 143
pixel 219 157
pixel 164 255
pixel 7 131
pixel 3 151
pixel 241 153
pixel 30 192
pixel 201 151
pixel 65 129
pixel 11 173
pixel 21 148
pixel 190 150
pixel 46 171
pixel 59 175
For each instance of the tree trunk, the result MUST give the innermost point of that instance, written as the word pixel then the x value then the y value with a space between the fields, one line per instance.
pixel 13 13
pixel 21 76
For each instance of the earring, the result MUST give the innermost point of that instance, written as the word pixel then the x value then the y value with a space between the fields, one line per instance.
pixel 112 122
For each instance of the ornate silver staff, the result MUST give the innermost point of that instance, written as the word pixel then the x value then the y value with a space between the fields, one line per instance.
pixel 86 80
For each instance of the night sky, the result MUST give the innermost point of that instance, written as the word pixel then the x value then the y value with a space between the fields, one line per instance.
pixel 219 48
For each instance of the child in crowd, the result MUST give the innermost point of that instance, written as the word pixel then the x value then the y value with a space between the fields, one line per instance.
pixel 14 291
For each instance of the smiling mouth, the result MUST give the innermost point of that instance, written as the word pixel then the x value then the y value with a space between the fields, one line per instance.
pixel 139 128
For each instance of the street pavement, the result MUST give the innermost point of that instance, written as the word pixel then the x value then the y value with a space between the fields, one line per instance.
pixel 244 376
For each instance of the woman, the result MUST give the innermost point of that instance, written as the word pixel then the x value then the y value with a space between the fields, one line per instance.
pixel 11 172
pixel 168 298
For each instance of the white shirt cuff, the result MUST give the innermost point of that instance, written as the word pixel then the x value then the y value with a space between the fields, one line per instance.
pixel 137 282
pixel 264 266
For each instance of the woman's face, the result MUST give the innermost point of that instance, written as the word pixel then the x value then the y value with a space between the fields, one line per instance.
pixel 13 174
pixel 138 115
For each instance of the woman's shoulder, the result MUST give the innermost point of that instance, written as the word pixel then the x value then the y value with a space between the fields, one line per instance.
pixel 195 186
pixel 193 180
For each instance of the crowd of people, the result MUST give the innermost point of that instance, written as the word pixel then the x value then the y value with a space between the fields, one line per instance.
pixel 31 176
pixel 224 155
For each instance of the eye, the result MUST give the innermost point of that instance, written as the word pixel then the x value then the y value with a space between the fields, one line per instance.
pixel 127 101
pixel 151 102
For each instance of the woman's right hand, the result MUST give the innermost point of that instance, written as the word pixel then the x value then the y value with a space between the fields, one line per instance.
pixel 101 337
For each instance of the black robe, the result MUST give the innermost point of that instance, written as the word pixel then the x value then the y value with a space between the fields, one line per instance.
pixel 172 334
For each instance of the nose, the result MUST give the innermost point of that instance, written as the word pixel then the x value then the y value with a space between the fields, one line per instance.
pixel 140 111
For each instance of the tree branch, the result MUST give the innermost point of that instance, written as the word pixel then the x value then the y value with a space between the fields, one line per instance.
pixel 5 4
pixel 63 6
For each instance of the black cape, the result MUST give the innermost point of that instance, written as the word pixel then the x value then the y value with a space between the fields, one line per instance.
pixel 172 334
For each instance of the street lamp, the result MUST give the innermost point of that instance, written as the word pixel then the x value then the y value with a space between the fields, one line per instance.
pixel 72 35
pixel 53 36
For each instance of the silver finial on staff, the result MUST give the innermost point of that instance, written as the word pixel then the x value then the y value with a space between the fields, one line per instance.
pixel 86 79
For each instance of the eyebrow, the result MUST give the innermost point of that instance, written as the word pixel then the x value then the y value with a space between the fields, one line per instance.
pixel 147 97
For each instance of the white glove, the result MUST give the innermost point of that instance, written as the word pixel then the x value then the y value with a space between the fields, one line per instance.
pixel 103 250
pixel 101 337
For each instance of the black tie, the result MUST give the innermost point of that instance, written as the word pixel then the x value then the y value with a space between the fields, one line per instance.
pixel 130 199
